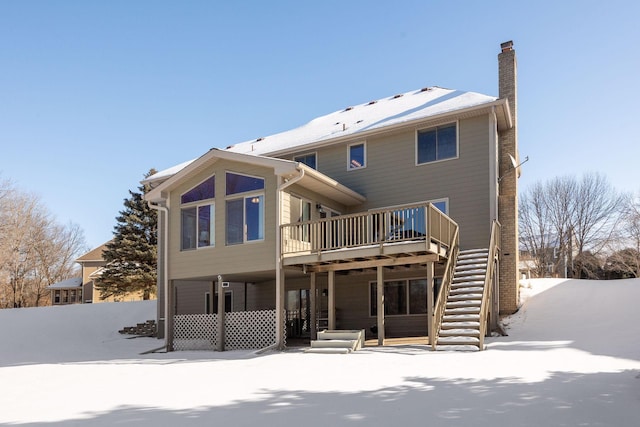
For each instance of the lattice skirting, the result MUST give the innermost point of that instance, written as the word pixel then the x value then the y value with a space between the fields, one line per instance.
pixel 243 330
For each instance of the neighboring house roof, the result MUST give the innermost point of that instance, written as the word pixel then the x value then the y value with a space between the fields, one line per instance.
pixel 362 120
pixel 309 177
pixel 74 282
pixel 93 255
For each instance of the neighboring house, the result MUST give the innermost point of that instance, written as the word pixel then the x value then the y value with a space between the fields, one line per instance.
pixel 352 221
pixel 83 289
pixel 547 256
pixel 67 292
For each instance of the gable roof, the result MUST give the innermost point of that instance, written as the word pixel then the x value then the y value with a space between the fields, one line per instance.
pixel 94 254
pixel 309 177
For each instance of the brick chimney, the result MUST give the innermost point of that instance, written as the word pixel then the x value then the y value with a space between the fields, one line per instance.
pixel 508 185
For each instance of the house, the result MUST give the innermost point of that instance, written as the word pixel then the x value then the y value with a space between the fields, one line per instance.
pixel 397 216
pixel 82 289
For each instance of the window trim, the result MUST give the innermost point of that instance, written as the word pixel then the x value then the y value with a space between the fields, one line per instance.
pixel 212 224
pixel 314 153
pixel 244 196
pixel 194 186
pixel 442 199
pixel 457 156
pixel 364 156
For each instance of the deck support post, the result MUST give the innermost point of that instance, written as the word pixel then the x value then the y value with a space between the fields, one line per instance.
pixel 280 311
pixel 221 315
pixel 380 304
pixel 332 300
pixel 430 302
pixel 312 303
pixel 170 312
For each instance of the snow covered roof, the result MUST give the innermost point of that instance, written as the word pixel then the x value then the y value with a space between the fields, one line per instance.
pixel 74 282
pixel 374 115
pixel 362 119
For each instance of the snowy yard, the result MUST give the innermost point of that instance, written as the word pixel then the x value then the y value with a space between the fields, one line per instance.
pixel 572 358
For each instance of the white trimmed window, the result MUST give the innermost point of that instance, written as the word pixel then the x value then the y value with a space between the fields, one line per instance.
pixel 308 159
pixel 357 156
pixel 244 208
pixel 197 216
pixel 437 143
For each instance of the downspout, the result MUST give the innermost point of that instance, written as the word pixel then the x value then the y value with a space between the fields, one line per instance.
pixel 165 269
pixel 279 272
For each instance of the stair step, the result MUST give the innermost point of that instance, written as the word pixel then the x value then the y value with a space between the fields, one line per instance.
pixel 466 268
pixel 466 290
pixel 451 347
pixel 328 350
pixel 470 278
pixel 459 325
pixel 480 253
pixel 463 303
pixel 461 317
pixel 329 343
pixel 458 340
pixel 462 310
pixel 466 273
pixel 459 333
pixel 464 297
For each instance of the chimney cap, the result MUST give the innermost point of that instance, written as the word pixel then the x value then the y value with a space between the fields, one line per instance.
pixel 507 46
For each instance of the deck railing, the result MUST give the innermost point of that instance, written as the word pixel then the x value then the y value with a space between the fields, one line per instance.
pixel 494 249
pixel 440 302
pixel 412 222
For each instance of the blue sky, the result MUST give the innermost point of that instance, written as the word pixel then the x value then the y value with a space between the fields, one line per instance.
pixel 94 94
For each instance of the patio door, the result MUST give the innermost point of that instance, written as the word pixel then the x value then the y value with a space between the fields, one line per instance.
pixel 298 313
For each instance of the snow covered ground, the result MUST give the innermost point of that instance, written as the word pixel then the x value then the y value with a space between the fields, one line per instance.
pixel 572 358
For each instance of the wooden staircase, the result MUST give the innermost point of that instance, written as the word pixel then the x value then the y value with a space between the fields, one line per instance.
pixel 461 327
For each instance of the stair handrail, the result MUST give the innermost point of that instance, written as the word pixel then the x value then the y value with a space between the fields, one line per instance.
pixel 494 250
pixel 445 287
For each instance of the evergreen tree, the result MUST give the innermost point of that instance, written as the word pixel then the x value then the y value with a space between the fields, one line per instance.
pixel 132 254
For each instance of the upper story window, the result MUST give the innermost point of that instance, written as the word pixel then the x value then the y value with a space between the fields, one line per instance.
pixel 244 208
pixel 357 156
pixel 197 216
pixel 437 143
pixel 204 190
pixel 308 159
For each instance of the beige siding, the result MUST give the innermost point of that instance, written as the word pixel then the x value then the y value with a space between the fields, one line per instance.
pixel 392 177
pixel 190 296
pixel 221 259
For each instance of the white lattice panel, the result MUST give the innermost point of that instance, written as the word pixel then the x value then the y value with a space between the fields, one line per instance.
pixel 194 332
pixel 243 330
pixel 250 329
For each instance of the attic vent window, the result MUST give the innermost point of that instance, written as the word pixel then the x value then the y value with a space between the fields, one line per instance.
pixel 259 139
pixel 372 102
pixel 398 96
pixel 348 109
